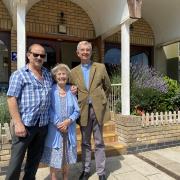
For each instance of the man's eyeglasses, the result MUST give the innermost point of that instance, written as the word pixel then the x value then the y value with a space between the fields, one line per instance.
pixel 36 55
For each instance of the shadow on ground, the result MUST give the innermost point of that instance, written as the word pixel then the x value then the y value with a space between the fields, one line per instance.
pixel 112 164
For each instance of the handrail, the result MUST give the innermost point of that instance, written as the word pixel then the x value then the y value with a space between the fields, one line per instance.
pixel 119 84
pixel 114 96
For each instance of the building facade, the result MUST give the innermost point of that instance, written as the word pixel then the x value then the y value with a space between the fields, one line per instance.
pixel 115 28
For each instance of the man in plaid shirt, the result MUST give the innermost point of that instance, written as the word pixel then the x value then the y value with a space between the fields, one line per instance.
pixel 28 102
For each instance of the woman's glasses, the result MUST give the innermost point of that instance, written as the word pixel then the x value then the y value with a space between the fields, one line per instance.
pixel 37 55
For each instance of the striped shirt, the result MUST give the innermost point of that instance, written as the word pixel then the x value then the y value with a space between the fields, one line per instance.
pixel 33 96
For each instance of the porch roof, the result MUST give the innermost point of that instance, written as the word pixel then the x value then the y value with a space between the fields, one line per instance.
pixel 106 16
pixel 162 15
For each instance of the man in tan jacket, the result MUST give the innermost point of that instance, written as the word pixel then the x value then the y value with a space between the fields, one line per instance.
pixel 93 89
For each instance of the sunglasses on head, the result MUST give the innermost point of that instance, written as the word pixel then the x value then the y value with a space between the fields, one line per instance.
pixel 36 55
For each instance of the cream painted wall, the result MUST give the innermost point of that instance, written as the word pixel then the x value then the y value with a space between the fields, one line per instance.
pixel 106 15
pixel 160 60
pixel 163 17
pixel 171 50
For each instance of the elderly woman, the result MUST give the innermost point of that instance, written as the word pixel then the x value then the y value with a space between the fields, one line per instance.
pixel 60 145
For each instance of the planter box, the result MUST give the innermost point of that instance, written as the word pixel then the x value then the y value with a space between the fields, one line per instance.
pixel 138 138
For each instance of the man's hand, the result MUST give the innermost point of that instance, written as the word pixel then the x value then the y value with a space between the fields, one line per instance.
pixel 74 89
pixel 20 129
pixel 63 126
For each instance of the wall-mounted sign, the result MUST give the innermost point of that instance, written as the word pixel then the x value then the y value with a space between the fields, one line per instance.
pixel 62 28
pixel 13 56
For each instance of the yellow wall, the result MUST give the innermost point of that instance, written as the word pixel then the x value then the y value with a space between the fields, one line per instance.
pixel 44 17
pixel 5 19
pixel 140 34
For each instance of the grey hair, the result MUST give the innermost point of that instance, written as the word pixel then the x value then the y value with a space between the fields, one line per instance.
pixel 84 43
pixel 59 67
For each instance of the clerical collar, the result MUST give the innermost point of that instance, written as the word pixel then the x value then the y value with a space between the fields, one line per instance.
pixel 86 65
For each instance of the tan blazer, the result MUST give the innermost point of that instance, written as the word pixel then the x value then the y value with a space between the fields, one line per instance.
pixel 99 89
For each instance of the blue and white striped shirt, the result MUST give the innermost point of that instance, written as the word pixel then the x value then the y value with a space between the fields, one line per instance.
pixel 33 96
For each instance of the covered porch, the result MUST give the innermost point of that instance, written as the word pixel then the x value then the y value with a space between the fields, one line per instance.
pixel 107 18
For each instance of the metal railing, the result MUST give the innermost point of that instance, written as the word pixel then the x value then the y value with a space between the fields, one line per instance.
pixel 114 96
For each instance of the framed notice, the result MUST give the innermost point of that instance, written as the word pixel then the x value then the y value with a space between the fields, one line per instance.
pixel 13 56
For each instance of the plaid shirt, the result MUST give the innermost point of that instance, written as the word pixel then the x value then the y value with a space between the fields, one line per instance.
pixel 33 96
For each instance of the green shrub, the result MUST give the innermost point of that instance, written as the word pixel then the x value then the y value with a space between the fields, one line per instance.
pixel 4 113
pixel 149 89
pixel 147 98
pixel 170 100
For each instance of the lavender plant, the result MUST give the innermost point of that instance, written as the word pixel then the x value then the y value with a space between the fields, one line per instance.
pixel 146 77
pixel 148 88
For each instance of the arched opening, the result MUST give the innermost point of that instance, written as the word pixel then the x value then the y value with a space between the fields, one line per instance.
pixel 43 27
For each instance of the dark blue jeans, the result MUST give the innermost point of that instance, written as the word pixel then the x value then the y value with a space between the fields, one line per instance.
pixel 33 144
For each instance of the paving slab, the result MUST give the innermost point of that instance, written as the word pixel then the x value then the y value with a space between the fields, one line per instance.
pixel 130 176
pixel 155 157
pixel 167 159
pixel 159 177
pixel 126 167
pixel 170 153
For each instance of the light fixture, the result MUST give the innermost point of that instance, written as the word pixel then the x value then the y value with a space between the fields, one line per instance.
pixel 131 28
pixel 62 24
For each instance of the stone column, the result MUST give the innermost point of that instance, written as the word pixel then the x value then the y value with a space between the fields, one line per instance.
pixel 21 33
pixel 125 68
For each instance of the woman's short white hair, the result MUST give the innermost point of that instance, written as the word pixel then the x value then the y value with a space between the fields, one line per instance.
pixel 59 67
pixel 84 43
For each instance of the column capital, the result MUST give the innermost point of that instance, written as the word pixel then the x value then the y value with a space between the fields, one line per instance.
pixel 134 8
pixel 129 21
pixel 24 2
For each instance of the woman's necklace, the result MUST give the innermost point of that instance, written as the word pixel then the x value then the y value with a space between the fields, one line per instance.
pixel 62 92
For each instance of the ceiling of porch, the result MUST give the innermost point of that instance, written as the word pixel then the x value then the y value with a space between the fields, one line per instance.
pixel 162 16
pixel 106 16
